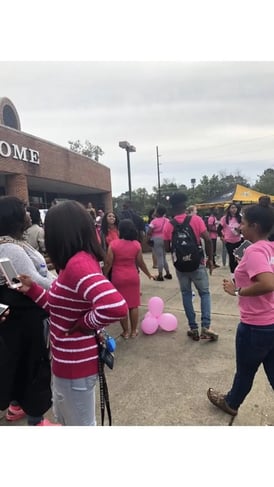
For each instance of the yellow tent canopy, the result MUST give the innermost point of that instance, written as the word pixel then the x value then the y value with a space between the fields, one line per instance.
pixel 241 194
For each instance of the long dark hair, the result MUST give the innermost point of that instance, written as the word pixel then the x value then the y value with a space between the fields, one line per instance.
pixel 160 210
pixel 237 214
pixel 35 215
pixel 68 230
pixel 12 216
pixel 104 224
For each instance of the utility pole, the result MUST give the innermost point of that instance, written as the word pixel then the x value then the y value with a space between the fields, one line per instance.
pixel 158 174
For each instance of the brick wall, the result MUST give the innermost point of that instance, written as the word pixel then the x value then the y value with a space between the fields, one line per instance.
pixel 56 164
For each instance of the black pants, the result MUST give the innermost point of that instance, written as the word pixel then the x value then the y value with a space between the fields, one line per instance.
pixel 232 261
pixel 214 245
pixel 25 372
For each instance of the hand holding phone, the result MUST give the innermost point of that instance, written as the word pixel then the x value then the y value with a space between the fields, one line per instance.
pixel 239 251
pixel 3 310
pixel 10 273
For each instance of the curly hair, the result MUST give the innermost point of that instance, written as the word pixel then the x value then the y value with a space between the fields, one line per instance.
pixel 104 224
pixel 127 230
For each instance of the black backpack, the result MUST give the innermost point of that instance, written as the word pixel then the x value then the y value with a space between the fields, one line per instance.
pixel 185 251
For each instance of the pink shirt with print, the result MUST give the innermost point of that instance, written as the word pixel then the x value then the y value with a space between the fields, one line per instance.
pixel 157 225
pixel 229 232
pixel 258 258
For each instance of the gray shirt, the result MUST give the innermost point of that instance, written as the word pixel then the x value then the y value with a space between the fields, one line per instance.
pixel 26 260
pixel 35 236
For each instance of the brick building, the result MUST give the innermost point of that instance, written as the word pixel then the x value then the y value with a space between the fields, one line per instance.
pixel 39 171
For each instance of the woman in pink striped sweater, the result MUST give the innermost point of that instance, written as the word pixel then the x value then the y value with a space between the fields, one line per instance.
pixel 80 302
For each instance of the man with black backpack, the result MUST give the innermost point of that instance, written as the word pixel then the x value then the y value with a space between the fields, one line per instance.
pixel 182 237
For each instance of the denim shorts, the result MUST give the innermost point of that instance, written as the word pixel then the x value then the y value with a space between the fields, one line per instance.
pixel 74 400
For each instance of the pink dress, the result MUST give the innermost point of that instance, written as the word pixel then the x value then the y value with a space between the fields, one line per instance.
pixel 125 277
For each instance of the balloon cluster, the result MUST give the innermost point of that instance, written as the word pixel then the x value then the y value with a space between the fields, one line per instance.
pixel 155 318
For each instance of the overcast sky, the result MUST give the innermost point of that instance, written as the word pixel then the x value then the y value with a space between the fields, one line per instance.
pixel 189 77
pixel 204 117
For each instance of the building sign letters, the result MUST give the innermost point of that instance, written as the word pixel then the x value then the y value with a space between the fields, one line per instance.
pixel 21 153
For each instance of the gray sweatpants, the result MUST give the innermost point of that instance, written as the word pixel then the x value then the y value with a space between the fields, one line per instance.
pixel 160 253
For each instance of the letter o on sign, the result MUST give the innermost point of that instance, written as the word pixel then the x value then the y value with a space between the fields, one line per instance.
pixel 5 149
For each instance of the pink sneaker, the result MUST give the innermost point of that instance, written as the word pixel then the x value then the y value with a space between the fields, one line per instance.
pixel 46 422
pixel 15 413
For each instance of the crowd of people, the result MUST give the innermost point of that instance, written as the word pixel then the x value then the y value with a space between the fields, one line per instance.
pixel 48 337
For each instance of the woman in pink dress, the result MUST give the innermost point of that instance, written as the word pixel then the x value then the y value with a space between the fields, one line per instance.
pixel 124 257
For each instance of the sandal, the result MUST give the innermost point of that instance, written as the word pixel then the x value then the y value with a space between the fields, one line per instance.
pixel 207 334
pixel 134 335
pixel 219 401
pixel 125 335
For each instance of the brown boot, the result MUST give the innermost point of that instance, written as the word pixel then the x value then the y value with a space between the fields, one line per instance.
pixel 219 401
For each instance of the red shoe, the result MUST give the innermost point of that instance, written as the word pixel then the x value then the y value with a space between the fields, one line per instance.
pixel 46 422
pixel 15 413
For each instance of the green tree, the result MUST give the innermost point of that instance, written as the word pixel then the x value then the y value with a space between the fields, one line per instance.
pixel 87 149
pixel 206 189
pixel 218 184
pixel 166 189
pixel 265 182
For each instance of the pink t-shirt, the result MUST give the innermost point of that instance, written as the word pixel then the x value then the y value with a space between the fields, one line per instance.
pixel 229 232
pixel 197 224
pixel 157 225
pixel 257 258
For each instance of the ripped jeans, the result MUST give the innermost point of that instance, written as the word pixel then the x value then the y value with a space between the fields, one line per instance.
pixel 74 400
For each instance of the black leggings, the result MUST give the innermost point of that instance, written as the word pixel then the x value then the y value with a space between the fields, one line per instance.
pixel 232 261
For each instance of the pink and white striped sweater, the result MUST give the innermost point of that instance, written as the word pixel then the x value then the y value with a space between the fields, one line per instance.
pixel 80 294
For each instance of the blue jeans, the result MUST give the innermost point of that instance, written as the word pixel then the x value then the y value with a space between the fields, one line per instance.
pixel 254 346
pixel 200 280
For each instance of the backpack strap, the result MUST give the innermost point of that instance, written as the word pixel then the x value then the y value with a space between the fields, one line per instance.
pixel 185 223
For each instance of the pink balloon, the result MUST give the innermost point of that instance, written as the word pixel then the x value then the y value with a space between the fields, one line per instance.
pixel 148 315
pixel 156 306
pixel 168 322
pixel 149 325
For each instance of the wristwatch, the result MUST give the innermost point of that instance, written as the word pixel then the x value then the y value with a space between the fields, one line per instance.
pixel 237 291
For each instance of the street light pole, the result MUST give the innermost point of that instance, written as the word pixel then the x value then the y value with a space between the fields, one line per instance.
pixel 129 148
pixel 158 173
pixel 129 174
